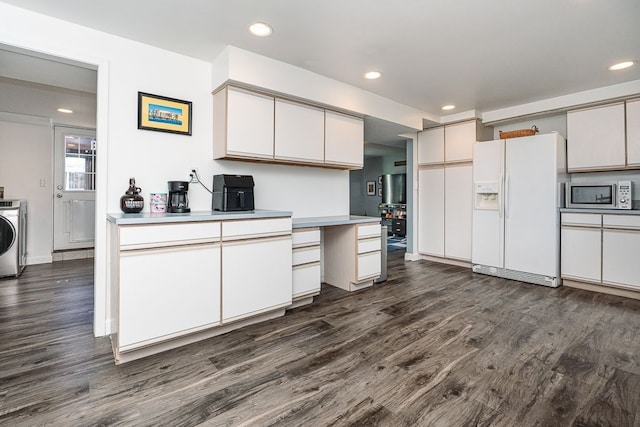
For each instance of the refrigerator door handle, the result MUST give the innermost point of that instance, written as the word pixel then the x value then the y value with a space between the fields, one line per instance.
pixel 500 193
pixel 506 196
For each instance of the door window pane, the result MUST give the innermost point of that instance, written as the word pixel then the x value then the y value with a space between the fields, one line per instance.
pixel 80 163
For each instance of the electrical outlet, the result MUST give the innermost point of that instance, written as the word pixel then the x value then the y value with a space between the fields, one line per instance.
pixel 194 177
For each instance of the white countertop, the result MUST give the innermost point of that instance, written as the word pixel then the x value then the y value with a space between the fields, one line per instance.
pixel 601 211
pixel 326 221
pixel 158 218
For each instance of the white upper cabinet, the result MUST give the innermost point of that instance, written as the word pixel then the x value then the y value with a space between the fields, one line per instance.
pixel 459 142
pixel 250 125
pixel 299 132
pixel 596 138
pixel 633 133
pixel 344 140
pixel 451 143
pixel 431 146
pixel 243 124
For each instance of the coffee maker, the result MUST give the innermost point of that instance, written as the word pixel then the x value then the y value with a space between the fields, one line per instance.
pixel 178 201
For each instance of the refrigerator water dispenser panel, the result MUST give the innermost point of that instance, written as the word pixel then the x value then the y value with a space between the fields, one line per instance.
pixel 487 196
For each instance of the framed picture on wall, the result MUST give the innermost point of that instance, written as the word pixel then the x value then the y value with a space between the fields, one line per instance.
pixel 164 114
pixel 380 192
pixel 371 188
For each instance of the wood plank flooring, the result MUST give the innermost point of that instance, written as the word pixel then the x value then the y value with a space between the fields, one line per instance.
pixel 435 345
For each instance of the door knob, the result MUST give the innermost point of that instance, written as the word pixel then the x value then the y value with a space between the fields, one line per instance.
pixel 59 196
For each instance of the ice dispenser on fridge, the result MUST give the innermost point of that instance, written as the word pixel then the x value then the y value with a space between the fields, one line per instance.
pixel 487 196
pixel 232 193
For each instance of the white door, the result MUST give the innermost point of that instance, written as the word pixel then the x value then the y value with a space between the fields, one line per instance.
pixel 488 224
pixel 531 205
pixel 74 188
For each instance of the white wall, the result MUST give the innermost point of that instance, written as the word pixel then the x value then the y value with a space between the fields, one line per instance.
pixel 25 159
pixel 556 123
pixel 243 66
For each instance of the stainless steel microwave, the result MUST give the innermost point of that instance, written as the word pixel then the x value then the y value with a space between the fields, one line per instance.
pixel 613 195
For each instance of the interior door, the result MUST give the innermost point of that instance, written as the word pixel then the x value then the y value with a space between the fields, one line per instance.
pixel 74 193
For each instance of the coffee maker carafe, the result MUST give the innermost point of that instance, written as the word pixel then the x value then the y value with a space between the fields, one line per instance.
pixel 178 201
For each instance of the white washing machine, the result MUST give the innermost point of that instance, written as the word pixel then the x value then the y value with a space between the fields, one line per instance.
pixel 13 237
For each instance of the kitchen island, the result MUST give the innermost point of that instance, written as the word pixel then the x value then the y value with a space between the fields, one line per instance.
pixel 180 278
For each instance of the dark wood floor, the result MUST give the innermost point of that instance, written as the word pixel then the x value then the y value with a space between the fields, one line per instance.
pixel 434 345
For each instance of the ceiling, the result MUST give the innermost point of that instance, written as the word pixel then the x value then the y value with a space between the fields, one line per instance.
pixel 479 55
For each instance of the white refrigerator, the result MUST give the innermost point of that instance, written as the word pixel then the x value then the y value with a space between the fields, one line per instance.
pixel 518 189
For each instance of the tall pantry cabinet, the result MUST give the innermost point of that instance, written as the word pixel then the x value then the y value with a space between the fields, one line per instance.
pixel 445 189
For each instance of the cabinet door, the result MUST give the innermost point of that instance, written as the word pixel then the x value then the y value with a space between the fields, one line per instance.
pixel 620 264
pixel 596 138
pixel 249 121
pixel 580 253
pixel 431 146
pixel 256 276
pixel 344 140
pixel 459 139
pixel 458 197
pixel 299 132
pixel 633 133
pixel 431 211
pixel 167 292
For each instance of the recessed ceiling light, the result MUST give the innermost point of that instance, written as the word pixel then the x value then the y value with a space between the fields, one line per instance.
pixel 260 29
pixel 65 110
pixel 621 65
pixel 448 107
pixel 372 75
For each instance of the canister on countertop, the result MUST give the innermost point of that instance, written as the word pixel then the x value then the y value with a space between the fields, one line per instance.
pixel 158 202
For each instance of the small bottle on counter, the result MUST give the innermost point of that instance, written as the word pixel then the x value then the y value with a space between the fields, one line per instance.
pixel 132 201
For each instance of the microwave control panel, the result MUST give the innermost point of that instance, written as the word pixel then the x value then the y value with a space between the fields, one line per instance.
pixel 624 195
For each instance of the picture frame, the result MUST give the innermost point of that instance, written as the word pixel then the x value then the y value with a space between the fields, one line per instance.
pixel 164 114
pixel 371 188
pixel 380 192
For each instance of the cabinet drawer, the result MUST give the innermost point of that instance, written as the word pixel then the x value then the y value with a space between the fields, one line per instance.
pixel 369 230
pixel 369 245
pixel 369 265
pixel 306 255
pixel 306 279
pixel 146 236
pixel 630 222
pixel 306 237
pixel 582 220
pixel 243 229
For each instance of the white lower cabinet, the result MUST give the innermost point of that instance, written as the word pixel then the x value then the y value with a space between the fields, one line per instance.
pixel 601 249
pixel 352 255
pixel 307 271
pixel 174 283
pixel 431 211
pixel 162 293
pixel 256 267
pixel 581 249
pixel 620 249
pixel 256 276
pixel 458 208
pixel 445 211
